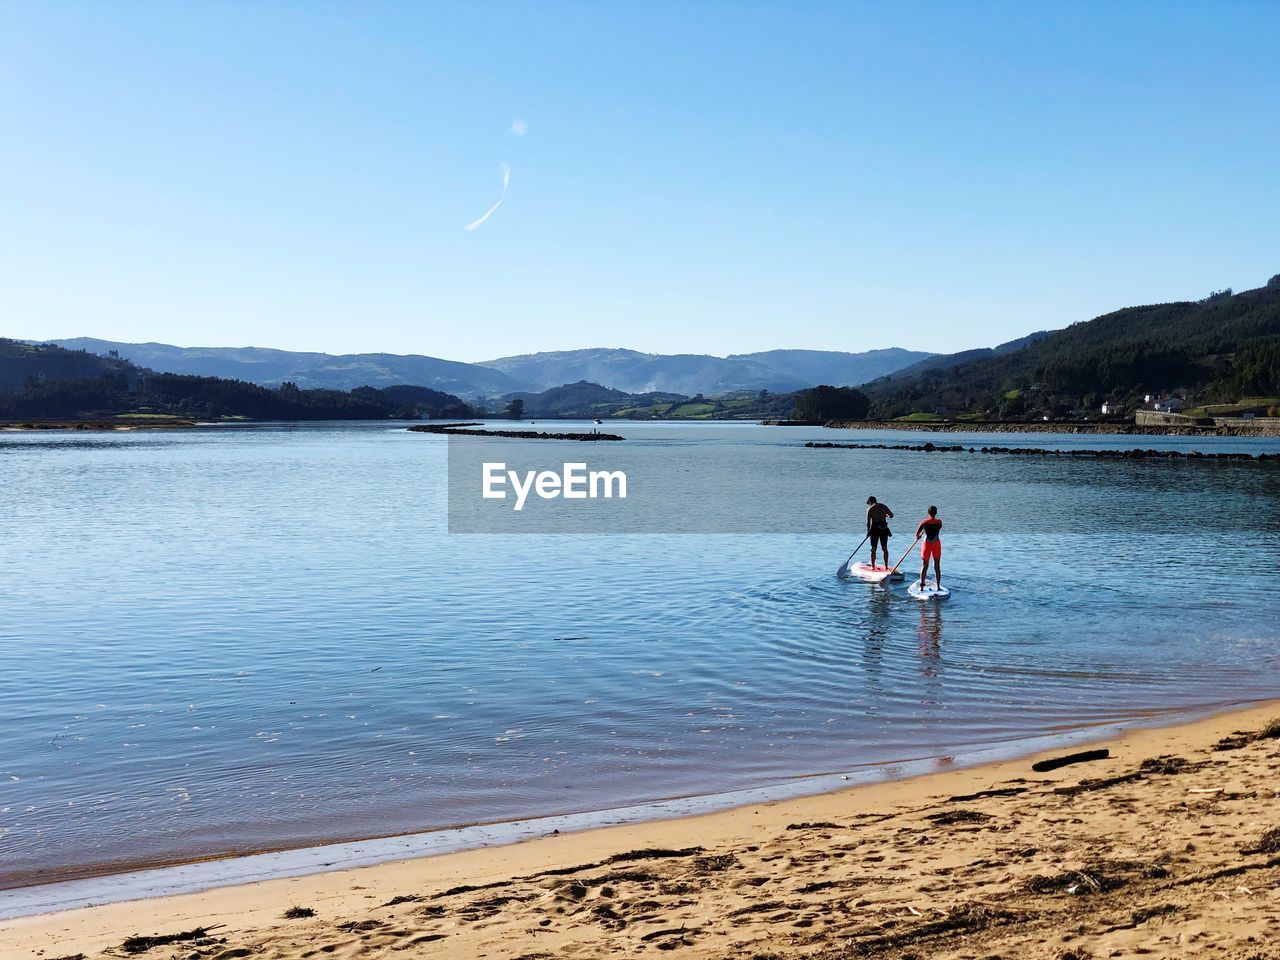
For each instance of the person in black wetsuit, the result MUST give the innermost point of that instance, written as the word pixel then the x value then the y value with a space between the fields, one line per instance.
pixel 931 528
pixel 878 517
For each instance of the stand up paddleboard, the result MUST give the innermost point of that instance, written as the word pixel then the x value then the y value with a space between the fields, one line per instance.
pixel 865 571
pixel 927 592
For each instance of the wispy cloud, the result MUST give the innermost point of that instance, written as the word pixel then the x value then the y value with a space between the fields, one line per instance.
pixel 506 181
pixel 519 128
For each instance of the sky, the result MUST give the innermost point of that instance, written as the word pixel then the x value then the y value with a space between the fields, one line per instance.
pixel 474 180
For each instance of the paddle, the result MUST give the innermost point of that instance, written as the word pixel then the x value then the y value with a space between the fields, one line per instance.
pixel 894 568
pixel 840 569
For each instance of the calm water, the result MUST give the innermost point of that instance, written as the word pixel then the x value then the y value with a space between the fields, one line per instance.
pixel 235 639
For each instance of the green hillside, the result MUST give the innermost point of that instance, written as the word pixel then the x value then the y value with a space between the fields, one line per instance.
pixel 48 382
pixel 21 362
pixel 1215 350
pixel 584 400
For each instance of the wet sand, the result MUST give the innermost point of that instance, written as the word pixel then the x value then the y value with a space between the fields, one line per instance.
pixel 1169 847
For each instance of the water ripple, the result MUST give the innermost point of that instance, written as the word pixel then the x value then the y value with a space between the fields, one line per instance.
pixel 224 640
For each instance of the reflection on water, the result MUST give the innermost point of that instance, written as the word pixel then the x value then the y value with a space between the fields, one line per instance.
pixel 930 637
pixel 229 639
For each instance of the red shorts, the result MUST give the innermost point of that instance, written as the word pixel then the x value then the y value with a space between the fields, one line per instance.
pixel 932 550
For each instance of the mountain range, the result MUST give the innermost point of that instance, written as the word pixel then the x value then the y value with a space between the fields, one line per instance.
pixel 1224 348
pixel 690 374
pixel 270 368
pixel 44 381
pixel 626 370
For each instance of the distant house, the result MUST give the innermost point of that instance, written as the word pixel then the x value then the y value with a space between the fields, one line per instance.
pixel 1171 405
pixel 1106 409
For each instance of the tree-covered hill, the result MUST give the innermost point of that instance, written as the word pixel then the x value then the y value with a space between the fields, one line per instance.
pixel 21 362
pixel 944 361
pixel 323 371
pixel 584 400
pixel 570 400
pixel 48 382
pixel 1218 349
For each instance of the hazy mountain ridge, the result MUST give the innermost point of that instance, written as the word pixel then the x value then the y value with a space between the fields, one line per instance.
pixel 691 374
pixel 833 367
pixel 269 367
pixel 627 370
pixel 635 372
pixel 48 381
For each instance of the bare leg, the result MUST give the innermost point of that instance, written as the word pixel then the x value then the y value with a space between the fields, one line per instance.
pixel 937 572
pixel 924 572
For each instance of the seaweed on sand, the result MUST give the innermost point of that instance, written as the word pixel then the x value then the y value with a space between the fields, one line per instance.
pixel 949 818
pixel 143 944
pixel 652 853
pixel 965 918
pixel 1098 783
pixel 714 863
pixel 403 898
pixel 1084 881
pixel 1242 738
pixel 1269 842
pixel 1098 877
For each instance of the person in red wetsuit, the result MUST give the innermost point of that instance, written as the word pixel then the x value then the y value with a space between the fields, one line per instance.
pixel 931 529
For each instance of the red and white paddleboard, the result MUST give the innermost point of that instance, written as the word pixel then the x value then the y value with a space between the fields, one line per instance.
pixel 867 572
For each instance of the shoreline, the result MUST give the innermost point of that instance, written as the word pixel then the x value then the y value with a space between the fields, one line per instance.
pixel 256 907
pixel 1052 426
pixel 141 423
pixel 1109 453
pixel 121 882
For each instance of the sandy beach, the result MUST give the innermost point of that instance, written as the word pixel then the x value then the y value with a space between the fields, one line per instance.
pixel 1168 847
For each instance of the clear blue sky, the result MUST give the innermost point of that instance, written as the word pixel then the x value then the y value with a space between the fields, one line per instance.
pixel 707 177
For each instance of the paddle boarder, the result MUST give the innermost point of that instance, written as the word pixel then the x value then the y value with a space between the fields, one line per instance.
pixel 878 517
pixel 931 529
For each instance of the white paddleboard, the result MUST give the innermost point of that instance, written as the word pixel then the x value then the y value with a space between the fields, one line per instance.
pixel 928 591
pixel 867 572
